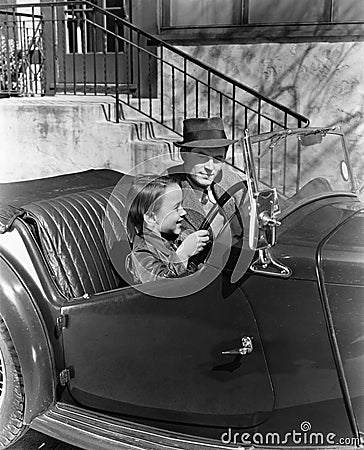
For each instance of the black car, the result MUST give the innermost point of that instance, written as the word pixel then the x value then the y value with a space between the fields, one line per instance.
pixel 264 345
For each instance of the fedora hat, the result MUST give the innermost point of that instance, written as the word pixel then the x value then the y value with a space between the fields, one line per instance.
pixel 204 133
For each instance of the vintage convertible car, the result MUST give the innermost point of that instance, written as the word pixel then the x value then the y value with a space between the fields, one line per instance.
pixel 264 345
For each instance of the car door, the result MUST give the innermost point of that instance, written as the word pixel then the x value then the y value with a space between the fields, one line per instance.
pixel 157 353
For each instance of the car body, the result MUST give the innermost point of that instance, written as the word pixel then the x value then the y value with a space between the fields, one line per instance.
pixel 262 346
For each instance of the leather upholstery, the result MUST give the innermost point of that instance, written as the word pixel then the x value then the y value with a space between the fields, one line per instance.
pixel 71 234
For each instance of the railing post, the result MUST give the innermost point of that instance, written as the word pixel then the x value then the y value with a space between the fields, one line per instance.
pixel 117 72
pixel 184 88
pixel 16 61
pixel 49 52
pixel 161 86
pixel 233 124
pixel 7 79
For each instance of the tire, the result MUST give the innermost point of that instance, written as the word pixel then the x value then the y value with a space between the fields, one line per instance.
pixel 12 397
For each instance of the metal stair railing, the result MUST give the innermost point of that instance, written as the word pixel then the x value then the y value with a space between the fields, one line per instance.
pixel 90 50
pixel 20 52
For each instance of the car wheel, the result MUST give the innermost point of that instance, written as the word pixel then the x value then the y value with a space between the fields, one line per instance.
pixel 12 398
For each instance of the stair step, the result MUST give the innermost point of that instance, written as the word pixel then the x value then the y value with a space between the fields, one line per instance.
pixel 92 430
pixel 153 156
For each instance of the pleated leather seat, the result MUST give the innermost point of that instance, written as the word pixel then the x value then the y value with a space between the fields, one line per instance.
pixel 71 233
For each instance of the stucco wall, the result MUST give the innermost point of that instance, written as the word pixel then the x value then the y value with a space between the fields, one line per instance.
pixel 323 81
pixel 43 137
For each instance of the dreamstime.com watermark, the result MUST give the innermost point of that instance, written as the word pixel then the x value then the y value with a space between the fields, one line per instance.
pixel 303 436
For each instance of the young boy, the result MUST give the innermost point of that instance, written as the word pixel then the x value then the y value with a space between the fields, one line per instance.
pixel 154 224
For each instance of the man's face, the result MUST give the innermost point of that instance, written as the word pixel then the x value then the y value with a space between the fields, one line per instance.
pixel 203 165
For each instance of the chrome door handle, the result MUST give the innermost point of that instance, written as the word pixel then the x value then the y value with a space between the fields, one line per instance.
pixel 245 349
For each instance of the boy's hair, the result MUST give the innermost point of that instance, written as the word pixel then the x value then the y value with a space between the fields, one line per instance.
pixel 145 197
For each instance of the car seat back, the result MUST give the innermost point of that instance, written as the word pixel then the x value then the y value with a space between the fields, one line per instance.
pixel 71 232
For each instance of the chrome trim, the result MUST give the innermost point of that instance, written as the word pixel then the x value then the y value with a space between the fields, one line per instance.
pixel 265 264
pixel 94 430
pixel 245 349
pixel 2 378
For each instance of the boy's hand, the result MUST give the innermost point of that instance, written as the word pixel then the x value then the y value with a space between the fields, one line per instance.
pixel 193 244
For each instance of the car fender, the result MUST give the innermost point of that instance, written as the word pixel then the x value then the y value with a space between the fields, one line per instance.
pixel 28 334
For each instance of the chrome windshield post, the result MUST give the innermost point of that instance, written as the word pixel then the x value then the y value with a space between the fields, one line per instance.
pixel 264 207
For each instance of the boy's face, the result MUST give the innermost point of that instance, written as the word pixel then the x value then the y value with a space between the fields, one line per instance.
pixel 203 165
pixel 171 212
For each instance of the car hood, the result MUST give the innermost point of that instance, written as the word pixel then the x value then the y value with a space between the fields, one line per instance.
pixel 342 252
pixel 332 228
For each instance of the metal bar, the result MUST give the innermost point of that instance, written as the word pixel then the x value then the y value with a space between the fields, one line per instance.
pixel 284 167
pixel 73 49
pixel 331 11
pixel 245 15
pixel 25 52
pixel 94 40
pixel 233 125
pixel 131 52
pixel 22 55
pixel 271 167
pixel 83 49
pixel 196 90
pixel 33 40
pixel 184 88
pixel 173 100
pixel 15 51
pixel 117 73
pixel 162 85
pixel 208 93
pixel 127 64
pixel 150 85
pixel 64 47
pixel 104 51
pixel 2 77
pixel 43 76
pixel 22 14
pixel 298 177
pixel 8 73
pixel 138 74
pixel 53 20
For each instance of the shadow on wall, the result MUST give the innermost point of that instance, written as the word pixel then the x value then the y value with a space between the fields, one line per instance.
pixel 321 80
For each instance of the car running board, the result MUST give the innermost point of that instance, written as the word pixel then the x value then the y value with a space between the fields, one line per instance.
pixel 91 430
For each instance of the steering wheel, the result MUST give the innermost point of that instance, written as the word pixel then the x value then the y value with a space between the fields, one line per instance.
pixel 206 223
pixel 225 197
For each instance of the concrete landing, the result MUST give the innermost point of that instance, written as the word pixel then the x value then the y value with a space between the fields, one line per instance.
pixel 47 136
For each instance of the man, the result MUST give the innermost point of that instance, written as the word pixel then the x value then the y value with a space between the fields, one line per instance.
pixel 204 176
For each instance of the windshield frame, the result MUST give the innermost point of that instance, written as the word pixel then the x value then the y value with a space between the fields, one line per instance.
pixel 281 134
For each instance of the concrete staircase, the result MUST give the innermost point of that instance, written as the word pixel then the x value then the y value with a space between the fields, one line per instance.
pixel 47 136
